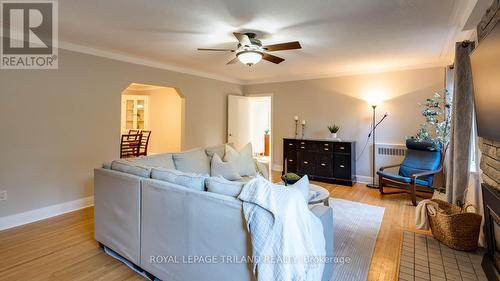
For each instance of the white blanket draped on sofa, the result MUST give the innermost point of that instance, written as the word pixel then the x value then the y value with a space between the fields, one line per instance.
pixel 287 239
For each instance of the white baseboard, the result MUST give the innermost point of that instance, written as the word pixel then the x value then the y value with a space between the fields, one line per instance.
pixel 45 212
pixel 363 179
pixel 278 168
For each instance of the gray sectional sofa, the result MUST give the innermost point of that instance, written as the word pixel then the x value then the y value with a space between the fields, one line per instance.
pixel 171 230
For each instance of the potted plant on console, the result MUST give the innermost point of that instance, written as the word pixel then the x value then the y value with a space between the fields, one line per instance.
pixel 333 131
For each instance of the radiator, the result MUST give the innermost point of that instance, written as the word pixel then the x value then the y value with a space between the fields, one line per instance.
pixel 389 154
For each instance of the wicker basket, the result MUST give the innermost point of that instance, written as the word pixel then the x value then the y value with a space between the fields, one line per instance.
pixel 455 227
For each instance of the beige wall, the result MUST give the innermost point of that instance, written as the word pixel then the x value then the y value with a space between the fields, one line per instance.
pixel 165 118
pixel 322 102
pixel 57 125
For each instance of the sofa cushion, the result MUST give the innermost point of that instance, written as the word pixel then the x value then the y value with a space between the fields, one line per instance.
pixel 244 159
pixel 219 150
pixel 189 180
pixel 398 178
pixel 192 161
pixel 129 167
pixel 226 170
pixel 222 186
pixel 163 160
pixel 262 169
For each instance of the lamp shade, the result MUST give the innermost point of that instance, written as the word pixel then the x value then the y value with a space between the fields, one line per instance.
pixel 249 57
pixel 374 100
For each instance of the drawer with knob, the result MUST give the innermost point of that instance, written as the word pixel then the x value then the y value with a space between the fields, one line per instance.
pixel 291 163
pixel 289 144
pixel 305 145
pixel 324 147
pixel 324 165
pixel 342 167
pixel 342 148
pixel 305 163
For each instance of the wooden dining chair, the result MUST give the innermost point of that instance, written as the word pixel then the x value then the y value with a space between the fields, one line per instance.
pixel 143 149
pixel 134 132
pixel 130 145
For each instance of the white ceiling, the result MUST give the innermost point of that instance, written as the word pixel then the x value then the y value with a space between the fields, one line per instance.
pixel 338 37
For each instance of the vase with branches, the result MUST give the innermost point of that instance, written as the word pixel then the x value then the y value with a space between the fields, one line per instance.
pixel 437 126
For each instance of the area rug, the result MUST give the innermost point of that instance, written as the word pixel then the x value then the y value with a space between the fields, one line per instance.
pixel 355 230
pixel 424 258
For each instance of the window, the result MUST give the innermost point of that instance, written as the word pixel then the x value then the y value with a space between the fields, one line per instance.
pixel 473 150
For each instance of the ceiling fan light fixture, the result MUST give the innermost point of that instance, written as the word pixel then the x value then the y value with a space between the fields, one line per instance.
pixel 249 57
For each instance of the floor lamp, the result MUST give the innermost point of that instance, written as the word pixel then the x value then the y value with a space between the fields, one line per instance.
pixel 374 103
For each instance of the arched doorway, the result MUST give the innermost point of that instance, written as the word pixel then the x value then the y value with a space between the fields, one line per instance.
pixel 157 109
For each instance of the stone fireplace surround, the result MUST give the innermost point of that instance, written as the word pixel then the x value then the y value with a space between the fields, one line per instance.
pixel 490 167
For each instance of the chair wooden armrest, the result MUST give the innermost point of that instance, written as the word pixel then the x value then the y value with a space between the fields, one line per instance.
pixel 427 173
pixel 390 166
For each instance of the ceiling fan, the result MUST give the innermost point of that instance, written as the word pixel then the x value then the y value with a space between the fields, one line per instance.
pixel 250 50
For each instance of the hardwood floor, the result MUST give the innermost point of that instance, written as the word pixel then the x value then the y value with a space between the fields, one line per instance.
pixel 63 248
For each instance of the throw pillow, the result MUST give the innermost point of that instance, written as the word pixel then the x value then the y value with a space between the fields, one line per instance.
pixel 192 161
pixel 244 159
pixel 189 180
pixel 223 186
pixel 226 170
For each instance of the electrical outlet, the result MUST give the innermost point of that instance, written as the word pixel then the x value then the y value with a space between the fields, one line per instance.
pixel 3 195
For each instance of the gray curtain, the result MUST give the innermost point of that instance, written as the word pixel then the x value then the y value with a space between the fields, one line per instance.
pixel 457 172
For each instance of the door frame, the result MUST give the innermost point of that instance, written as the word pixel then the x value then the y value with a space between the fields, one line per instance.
pixel 271 144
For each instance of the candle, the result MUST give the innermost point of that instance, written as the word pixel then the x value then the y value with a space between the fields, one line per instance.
pixel 303 122
pixel 296 118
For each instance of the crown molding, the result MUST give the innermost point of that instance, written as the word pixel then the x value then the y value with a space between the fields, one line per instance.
pixel 140 61
pixel 440 63
pixel 110 54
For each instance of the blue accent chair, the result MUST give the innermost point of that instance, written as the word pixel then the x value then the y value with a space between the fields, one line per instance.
pixel 422 162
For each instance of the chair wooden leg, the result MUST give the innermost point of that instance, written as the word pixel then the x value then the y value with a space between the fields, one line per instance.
pixel 380 185
pixel 413 193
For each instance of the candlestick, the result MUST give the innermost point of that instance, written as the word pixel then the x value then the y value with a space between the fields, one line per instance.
pixel 303 128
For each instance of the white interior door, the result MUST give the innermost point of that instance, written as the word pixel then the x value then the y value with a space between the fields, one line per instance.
pixel 238 120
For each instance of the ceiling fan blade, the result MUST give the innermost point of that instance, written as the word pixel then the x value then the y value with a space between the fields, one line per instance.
pixel 221 50
pixel 271 58
pixel 283 46
pixel 242 38
pixel 235 60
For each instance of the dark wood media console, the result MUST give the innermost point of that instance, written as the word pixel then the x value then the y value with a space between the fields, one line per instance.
pixel 321 160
